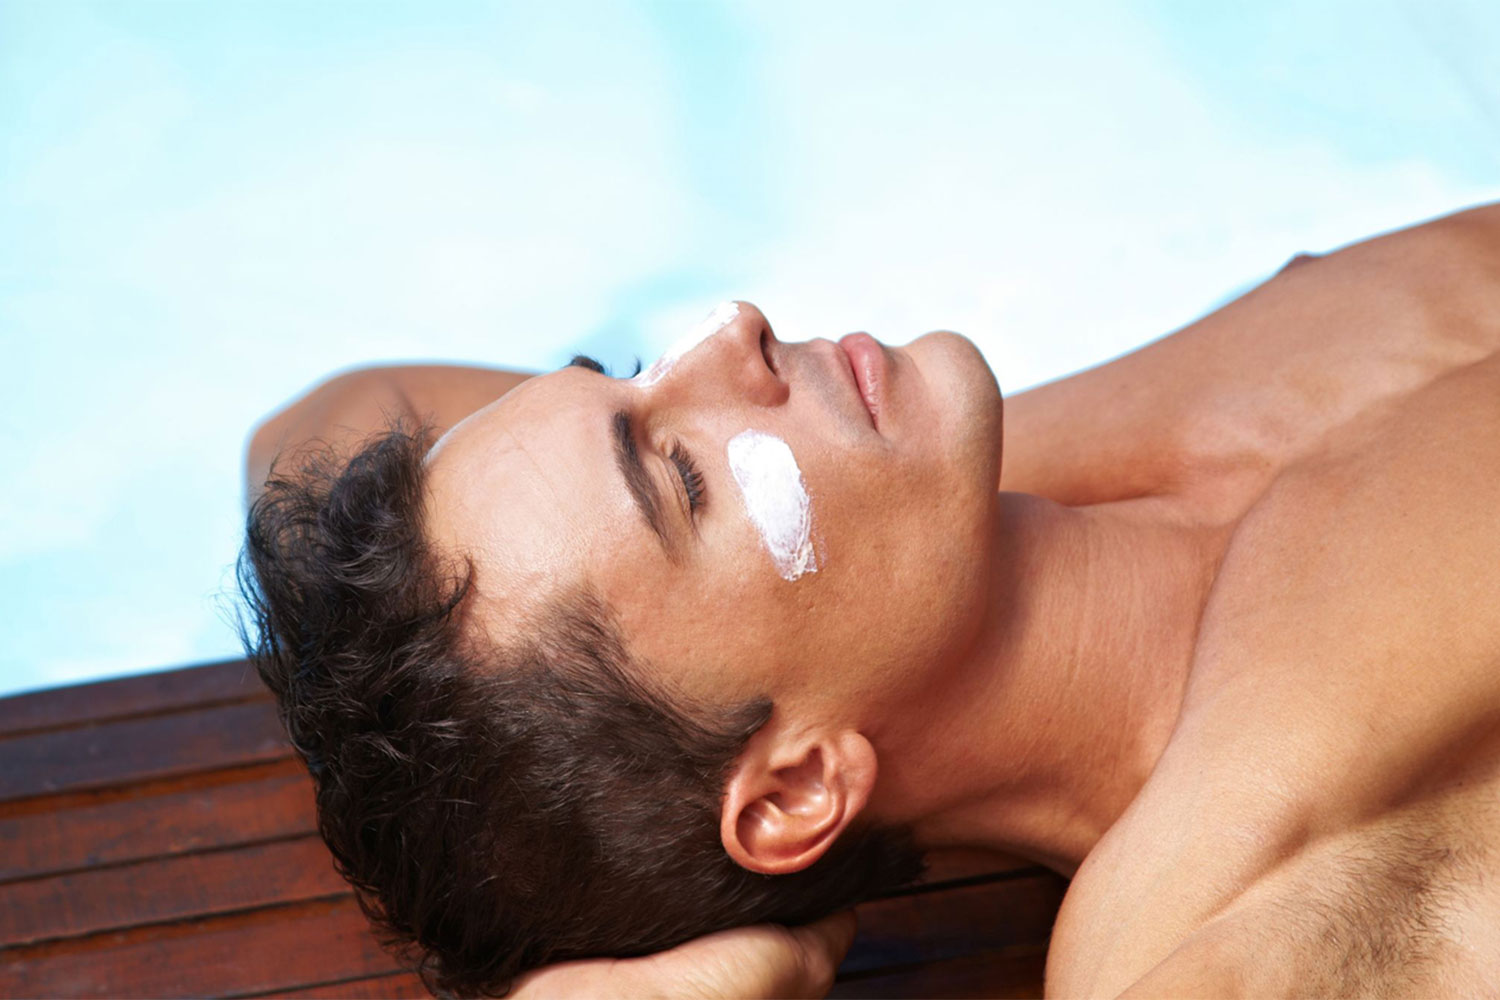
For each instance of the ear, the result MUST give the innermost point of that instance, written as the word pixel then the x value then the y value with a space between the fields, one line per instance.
pixel 785 804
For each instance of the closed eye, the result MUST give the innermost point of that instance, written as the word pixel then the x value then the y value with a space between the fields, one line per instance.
pixel 594 365
pixel 692 479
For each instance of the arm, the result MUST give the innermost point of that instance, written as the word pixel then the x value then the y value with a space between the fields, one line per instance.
pixel 1250 384
pixel 1210 965
pixel 348 407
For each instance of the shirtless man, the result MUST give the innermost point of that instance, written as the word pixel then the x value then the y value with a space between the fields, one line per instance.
pixel 1223 647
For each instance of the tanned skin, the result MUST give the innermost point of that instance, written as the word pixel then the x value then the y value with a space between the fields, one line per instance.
pixel 1303 785
pixel 1322 816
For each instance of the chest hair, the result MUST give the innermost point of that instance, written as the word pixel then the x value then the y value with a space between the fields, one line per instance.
pixel 1391 911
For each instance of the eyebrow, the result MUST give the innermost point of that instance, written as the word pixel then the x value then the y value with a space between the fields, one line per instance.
pixel 643 489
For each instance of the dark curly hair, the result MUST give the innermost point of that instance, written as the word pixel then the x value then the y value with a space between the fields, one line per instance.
pixel 498 807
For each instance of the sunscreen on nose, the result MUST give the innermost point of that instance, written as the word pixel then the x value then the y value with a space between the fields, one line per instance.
pixel 723 314
pixel 775 499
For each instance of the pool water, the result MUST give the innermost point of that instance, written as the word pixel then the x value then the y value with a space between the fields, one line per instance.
pixel 206 208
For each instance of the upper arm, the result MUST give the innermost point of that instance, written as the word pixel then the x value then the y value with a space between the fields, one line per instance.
pixel 353 405
pixel 1141 904
pixel 1205 965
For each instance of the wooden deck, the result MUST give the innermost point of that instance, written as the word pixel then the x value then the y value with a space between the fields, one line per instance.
pixel 157 840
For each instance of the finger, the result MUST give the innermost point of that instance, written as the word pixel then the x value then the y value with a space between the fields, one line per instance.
pixel 820 947
pixel 833 934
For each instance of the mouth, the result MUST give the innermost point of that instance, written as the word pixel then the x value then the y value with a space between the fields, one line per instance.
pixel 868 363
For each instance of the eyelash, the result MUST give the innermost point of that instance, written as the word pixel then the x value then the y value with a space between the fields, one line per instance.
pixel 594 365
pixel 687 469
pixel 692 479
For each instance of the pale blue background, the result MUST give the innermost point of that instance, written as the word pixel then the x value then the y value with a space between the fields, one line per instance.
pixel 204 207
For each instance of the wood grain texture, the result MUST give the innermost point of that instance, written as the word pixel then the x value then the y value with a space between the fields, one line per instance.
pixel 164 889
pixel 145 694
pixel 157 839
pixel 276 949
pixel 116 753
pixel 113 830
pixel 397 986
pixel 1014 973
pixel 951 923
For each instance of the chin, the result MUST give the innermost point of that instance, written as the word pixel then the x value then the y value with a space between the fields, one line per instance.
pixel 967 399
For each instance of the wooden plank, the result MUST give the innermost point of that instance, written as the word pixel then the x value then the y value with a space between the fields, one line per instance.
pixel 1016 973
pixel 188 885
pixel 1027 906
pixel 934 930
pixel 264 803
pixel 285 949
pixel 397 986
pixel 144 694
pixel 134 750
pixel 280 948
pixel 933 926
pixel 935 956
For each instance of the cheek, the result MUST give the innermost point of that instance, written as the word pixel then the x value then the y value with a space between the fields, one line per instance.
pixel 762 626
pixel 719 635
pixel 906 565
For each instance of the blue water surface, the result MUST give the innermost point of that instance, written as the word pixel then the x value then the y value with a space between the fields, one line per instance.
pixel 204 208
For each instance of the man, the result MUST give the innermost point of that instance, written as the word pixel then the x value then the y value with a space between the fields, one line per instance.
pixel 1222 646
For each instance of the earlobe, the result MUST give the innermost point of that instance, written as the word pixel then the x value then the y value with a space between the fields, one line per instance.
pixel 784 806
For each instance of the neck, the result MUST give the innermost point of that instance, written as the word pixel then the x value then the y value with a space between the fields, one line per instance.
pixel 1056 716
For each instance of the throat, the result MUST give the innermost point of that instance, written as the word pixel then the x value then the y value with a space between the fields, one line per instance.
pixel 1055 720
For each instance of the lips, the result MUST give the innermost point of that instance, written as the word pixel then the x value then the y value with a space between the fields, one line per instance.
pixel 868 362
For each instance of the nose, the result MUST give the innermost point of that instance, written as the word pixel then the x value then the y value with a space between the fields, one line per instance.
pixel 739 361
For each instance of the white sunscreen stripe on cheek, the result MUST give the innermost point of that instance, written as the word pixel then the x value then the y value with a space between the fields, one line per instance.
pixel 775 498
pixel 722 315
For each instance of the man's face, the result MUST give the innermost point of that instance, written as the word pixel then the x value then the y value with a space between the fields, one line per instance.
pixel 535 489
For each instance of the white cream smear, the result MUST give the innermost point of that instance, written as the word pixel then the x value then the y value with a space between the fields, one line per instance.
pixel 722 315
pixel 775 498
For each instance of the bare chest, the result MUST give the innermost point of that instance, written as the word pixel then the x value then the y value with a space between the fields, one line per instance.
pixel 1323 821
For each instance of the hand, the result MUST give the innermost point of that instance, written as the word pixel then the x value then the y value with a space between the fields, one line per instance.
pixel 766 960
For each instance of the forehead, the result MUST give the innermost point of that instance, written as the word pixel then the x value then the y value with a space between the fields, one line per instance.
pixel 526 488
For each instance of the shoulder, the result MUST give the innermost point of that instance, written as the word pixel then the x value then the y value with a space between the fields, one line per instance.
pixel 1214 962
pixel 1204 829
pixel 1351 641
pixel 1370 559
